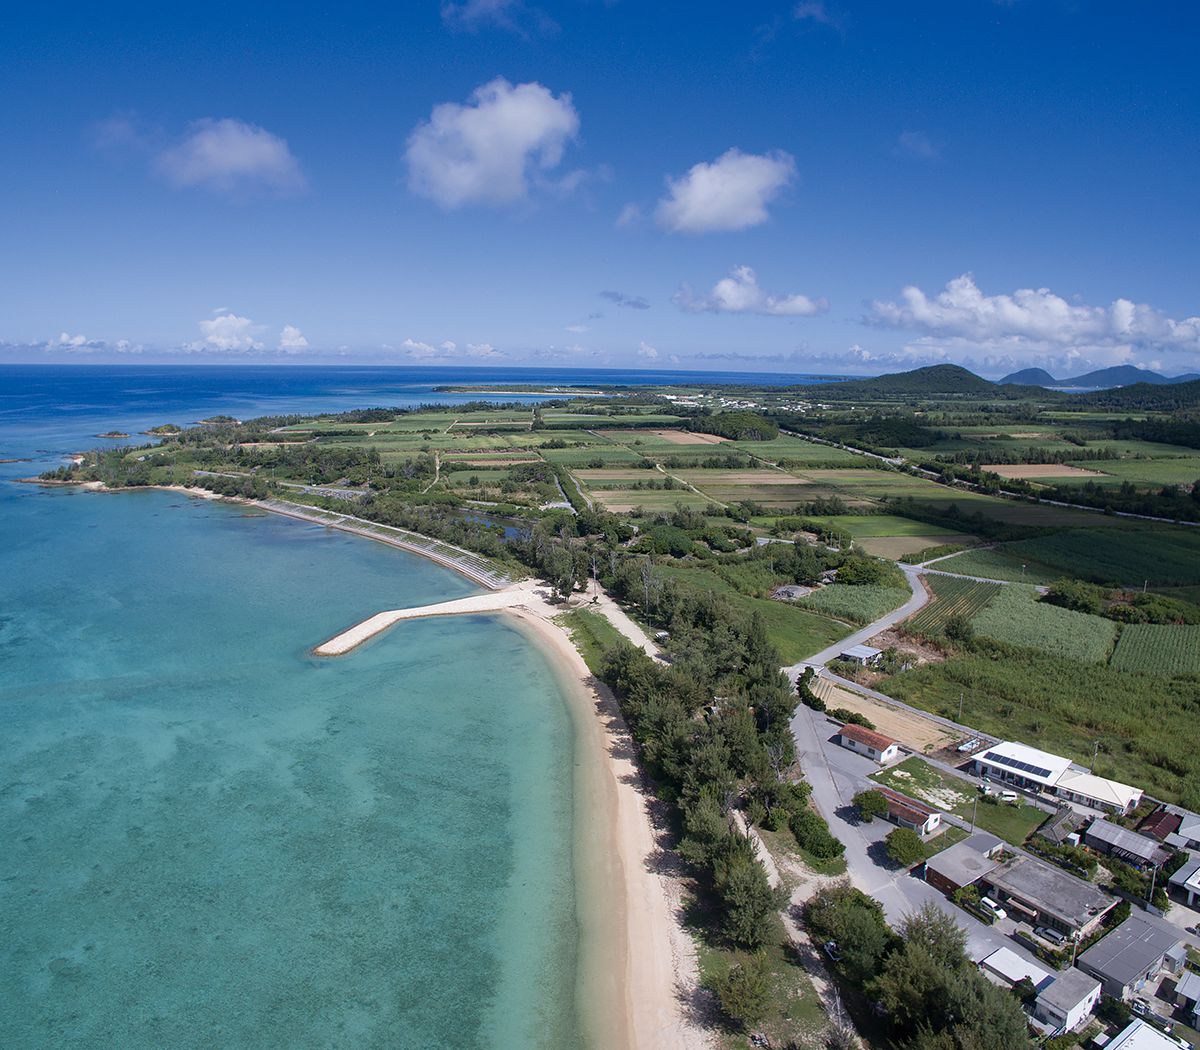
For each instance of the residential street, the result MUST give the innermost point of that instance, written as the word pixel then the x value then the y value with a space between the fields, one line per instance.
pixel 836 776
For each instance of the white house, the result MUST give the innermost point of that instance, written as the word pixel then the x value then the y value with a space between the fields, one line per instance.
pixel 863 655
pixel 867 742
pixel 1067 1000
pixel 1004 966
pixel 1013 763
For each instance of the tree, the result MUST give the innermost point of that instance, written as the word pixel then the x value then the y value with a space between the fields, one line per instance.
pixel 870 804
pixel 748 901
pixel 904 847
pixel 863 937
pixel 938 933
pixel 744 992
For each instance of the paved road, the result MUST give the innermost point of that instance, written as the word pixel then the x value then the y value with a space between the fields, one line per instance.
pixel 920 595
pixel 836 776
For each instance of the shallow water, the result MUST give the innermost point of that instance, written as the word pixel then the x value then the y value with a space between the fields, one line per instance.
pixel 213 839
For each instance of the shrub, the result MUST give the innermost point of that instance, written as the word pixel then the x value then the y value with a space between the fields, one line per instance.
pixel 744 992
pixel 870 804
pixel 812 834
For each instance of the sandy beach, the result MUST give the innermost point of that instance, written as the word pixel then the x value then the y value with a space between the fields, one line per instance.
pixel 638 968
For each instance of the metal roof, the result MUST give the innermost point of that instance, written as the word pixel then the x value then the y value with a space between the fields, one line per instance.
pixel 961 864
pixel 1111 792
pixel 1006 963
pixel 1116 837
pixel 861 652
pixel 1134 948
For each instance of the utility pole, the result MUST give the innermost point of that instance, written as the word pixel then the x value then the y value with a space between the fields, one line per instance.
pixel 975 812
pixel 960 703
pixel 1095 752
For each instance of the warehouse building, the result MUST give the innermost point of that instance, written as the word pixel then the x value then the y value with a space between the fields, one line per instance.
pixel 1136 953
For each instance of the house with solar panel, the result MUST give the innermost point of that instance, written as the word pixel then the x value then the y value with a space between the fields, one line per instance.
pixel 1034 770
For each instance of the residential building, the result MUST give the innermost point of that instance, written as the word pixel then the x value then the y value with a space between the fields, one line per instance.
pixel 1161 823
pixel 1044 895
pixel 905 812
pixel 867 742
pixel 1186 881
pixel 1187 835
pixel 1187 995
pixel 1068 1000
pixel 1141 1036
pixel 1026 767
pixel 1136 953
pixel 1098 792
pixel 1006 967
pixel 1114 840
pixel 863 655
pixel 964 863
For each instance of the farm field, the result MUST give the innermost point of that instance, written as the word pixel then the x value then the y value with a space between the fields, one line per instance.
pixel 1163 649
pixel 952 597
pixel 1181 470
pixel 1016 617
pixel 1145 723
pixel 917 779
pixel 994 563
pixel 898 547
pixel 911 729
pixel 864 526
pixel 626 500
pixel 1040 470
pixel 858 604
pixel 1163 555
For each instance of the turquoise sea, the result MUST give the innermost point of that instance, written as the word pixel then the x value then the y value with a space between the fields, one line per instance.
pixel 211 839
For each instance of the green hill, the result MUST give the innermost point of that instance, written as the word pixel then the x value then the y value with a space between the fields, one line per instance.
pixel 933 380
pixel 1143 396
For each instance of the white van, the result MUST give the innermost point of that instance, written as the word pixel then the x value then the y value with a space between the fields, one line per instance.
pixel 990 905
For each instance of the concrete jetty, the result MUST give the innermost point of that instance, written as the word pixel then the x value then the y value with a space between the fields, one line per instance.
pixel 520 594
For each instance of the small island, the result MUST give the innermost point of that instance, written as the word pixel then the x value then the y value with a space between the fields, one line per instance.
pixel 218 421
pixel 113 434
pixel 164 430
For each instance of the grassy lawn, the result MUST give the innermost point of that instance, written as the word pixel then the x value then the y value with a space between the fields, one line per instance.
pixel 783 843
pixel 795 1016
pixel 592 634
pixel 918 779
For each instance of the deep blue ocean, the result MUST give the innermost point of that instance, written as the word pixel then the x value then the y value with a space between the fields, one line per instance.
pixel 211 839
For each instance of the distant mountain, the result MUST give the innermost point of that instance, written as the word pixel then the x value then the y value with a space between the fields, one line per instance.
pixel 1101 379
pixel 1162 397
pixel 1030 377
pixel 935 379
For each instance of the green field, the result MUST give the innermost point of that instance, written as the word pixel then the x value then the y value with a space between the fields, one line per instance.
pixel 995 564
pixel 796 633
pixel 1016 617
pixel 917 779
pixel 858 604
pixel 865 526
pixel 951 597
pixel 1166 649
pixel 1146 724
pixel 1163 555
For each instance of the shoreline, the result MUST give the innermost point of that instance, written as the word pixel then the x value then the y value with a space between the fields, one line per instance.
pixel 647 945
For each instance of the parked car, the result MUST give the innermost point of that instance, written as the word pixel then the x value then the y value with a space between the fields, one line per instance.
pixel 1142 1008
pixel 1009 797
pixel 830 948
pixel 1047 933
pixel 990 905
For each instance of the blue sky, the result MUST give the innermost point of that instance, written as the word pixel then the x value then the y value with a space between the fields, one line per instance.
pixel 812 186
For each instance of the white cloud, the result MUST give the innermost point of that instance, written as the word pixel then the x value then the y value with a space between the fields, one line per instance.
pixel 577 329
pixel 489 150
pixel 740 293
pixel 731 193
pixel 917 144
pixel 483 350
pixel 647 351
pixel 815 11
pixel 513 15
pixel 228 331
pixel 64 339
pixel 230 156
pixel 629 215
pixel 291 338
pixel 448 350
pixel 1009 327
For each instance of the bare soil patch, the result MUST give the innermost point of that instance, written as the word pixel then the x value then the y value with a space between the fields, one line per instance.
pixel 685 437
pixel 738 477
pixel 897 546
pixel 916 731
pixel 1040 470
pixel 918 652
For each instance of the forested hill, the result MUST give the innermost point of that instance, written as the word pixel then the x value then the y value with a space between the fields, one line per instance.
pixel 1143 396
pixel 932 380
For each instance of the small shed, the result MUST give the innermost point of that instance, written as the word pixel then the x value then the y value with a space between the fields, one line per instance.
pixel 1004 966
pixel 863 655
pixel 906 812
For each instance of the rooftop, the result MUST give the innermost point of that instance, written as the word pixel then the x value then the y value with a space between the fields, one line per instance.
pixel 1051 890
pixel 1161 823
pixel 861 652
pixel 1189 874
pixel 1068 990
pixel 961 863
pixel 867 737
pixel 1008 964
pixel 1116 837
pixel 1026 761
pixel 1188 985
pixel 1111 792
pixel 1141 1036
pixel 1135 947
pixel 901 805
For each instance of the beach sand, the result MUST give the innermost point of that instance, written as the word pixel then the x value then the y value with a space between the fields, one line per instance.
pixel 638 968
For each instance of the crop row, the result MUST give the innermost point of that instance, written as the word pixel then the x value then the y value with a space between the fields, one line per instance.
pixel 952 597
pixel 1158 649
